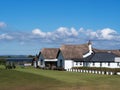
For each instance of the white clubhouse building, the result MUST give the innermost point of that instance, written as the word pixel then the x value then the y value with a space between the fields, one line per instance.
pixel 84 55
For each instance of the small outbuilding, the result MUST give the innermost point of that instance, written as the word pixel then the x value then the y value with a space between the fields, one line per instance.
pixel 51 58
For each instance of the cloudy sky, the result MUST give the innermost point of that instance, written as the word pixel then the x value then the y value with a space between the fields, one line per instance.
pixel 26 26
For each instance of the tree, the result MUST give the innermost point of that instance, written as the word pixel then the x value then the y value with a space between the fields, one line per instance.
pixel 31 56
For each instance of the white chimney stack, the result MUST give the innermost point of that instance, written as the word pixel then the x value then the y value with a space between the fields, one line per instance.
pixel 90 50
pixel 90 46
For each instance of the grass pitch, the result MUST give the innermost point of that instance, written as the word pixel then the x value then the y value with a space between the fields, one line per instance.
pixel 36 79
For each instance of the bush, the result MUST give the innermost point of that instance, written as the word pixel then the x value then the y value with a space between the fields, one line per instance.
pixel 2 61
pixel 10 66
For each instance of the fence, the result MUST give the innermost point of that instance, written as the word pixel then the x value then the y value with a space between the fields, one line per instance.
pixel 107 71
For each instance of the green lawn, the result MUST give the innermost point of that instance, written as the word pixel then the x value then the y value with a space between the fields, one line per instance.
pixel 36 79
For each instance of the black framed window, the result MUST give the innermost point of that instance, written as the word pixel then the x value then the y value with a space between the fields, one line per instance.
pixel 108 63
pixel 100 64
pixel 118 64
pixel 80 63
pixel 76 63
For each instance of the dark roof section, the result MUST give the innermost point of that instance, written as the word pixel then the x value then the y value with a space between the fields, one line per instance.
pixel 103 57
pixel 73 52
pixel 50 53
pixel 116 52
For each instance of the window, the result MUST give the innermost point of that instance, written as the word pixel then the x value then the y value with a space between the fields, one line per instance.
pixel 108 63
pixel 76 63
pixel 100 64
pixel 118 64
pixel 80 63
pixel 93 63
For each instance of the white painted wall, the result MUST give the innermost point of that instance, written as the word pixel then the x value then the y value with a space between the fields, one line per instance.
pixel 38 63
pixel 78 64
pixel 68 64
pixel 34 64
pixel 96 64
pixel 104 64
pixel 114 65
pixel 89 64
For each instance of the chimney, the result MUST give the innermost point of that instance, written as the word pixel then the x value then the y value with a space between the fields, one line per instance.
pixel 90 46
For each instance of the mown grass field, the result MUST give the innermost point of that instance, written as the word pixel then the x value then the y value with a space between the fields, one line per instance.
pixel 36 79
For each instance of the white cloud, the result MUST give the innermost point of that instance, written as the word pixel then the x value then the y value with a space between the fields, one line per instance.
pixel 63 31
pixel 38 32
pixel 2 24
pixel 104 34
pixel 91 34
pixel 64 35
pixel 6 37
pixel 81 30
pixel 66 32
pixel 74 32
pixel 42 34
pixel 107 33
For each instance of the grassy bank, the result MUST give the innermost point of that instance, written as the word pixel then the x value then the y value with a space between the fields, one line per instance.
pixel 36 79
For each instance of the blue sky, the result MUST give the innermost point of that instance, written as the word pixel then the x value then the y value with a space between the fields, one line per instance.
pixel 26 26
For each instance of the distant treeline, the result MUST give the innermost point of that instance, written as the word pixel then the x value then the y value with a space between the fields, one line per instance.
pixel 4 57
pixel 16 56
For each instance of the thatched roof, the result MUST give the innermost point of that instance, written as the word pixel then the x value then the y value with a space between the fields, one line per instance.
pixel 74 52
pixel 116 52
pixel 50 53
